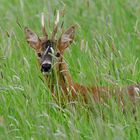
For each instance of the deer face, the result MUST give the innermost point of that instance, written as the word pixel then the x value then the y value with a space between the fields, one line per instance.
pixel 46 56
pixel 48 50
pixel 45 50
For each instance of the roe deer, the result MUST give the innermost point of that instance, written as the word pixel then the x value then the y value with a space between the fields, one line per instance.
pixel 50 53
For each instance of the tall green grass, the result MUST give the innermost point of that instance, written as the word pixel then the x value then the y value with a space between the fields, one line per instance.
pixel 105 53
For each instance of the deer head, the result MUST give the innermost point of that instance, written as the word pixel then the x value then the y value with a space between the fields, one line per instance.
pixel 49 49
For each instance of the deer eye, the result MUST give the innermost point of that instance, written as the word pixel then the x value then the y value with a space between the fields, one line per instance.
pixel 39 54
pixel 57 54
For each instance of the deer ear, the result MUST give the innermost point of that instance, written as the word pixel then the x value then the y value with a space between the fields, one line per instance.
pixel 31 38
pixel 66 38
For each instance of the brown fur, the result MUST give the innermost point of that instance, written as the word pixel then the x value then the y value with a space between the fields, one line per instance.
pixel 62 77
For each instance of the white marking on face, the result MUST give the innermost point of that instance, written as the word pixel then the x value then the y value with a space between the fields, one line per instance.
pixel 45 73
pixel 52 50
pixel 46 62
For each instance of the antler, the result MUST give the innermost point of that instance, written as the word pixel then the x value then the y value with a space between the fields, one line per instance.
pixel 43 26
pixel 55 26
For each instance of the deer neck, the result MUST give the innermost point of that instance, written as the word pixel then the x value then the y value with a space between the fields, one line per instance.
pixel 64 74
pixel 64 78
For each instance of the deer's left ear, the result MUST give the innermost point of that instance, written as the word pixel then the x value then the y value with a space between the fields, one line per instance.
pixel 66 38
pixel 32 38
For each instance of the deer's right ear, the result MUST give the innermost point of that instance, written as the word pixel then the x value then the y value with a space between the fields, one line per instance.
pixel 31 38
pixel 66 38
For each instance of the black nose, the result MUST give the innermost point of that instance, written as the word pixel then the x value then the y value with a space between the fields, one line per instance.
pixel 46 67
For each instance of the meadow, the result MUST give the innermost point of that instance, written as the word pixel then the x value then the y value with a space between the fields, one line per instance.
pixel 105 52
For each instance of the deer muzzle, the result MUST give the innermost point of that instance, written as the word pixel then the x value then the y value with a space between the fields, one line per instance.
pixel 46 67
